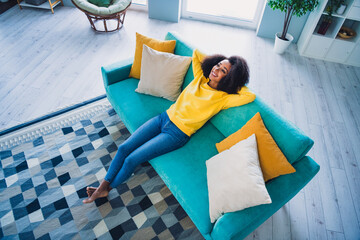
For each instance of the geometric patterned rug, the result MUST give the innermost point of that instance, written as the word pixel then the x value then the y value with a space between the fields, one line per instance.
pixel 45 169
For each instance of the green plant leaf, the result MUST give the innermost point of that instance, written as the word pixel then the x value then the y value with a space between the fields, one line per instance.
pixel 295 7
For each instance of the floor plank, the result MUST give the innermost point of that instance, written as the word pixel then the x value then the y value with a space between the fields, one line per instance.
pixel 298 219
pixel 262 232
pixel 281 224
pixel 315 210
pixel 346 205
pixel 335 236
pixel 326 181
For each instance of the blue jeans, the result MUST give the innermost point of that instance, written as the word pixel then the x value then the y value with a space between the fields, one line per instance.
pixel 154 138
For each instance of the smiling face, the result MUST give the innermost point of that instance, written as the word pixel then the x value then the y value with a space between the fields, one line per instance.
pixel 218 72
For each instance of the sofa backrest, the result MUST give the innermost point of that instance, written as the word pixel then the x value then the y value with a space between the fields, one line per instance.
pixel 183 49
pixel 291 140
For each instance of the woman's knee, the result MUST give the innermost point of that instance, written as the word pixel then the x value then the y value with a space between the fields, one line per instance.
pixel 130 164
pixel 124 149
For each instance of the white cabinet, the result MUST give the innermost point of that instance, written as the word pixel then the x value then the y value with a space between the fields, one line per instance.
pixel 354 13
pixel 340 50
pixel 323 41
pixel 354 58
pixel 318 46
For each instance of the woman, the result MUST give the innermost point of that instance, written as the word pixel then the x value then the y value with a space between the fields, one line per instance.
pixel 219 83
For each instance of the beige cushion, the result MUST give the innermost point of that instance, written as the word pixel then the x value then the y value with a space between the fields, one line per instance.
pixel 272 161
pixel 235 180
pixel 158 45
pixel 162 74
pixel 115 7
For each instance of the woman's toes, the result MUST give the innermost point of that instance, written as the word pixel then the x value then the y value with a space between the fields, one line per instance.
pixel 88 200
pixel 95 195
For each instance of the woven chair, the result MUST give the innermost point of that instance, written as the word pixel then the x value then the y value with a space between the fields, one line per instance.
pixel 116 11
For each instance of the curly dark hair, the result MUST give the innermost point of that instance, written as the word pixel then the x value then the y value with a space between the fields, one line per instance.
pixel 237 77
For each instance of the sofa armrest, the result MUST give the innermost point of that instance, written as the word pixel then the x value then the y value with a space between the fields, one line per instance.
pixel 237 225
pixel 116 72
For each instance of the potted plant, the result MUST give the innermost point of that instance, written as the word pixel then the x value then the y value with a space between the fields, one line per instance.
pixel 291 8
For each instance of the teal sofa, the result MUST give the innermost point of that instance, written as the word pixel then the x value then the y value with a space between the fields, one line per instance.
pixel 184 170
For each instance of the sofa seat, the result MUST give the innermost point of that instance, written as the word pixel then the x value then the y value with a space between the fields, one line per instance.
pixel 134 108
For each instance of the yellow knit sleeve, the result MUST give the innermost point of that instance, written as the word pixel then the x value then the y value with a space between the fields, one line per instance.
pixel 243 97
pixel 197 58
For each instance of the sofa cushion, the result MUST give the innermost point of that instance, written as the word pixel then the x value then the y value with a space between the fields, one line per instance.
pixel 162 74
pixel 158 45
pixel 272 160
pixel 237 225
pixel 291 140
pixel 100 3
pixel 183 49
pixel 235 180
pixel 134 108
pixel 184 172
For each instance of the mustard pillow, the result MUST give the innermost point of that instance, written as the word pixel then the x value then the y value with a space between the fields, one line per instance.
pixel 272 161
pixel 161 46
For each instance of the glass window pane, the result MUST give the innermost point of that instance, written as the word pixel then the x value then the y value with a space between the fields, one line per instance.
pixel 242 9
pixel 139 2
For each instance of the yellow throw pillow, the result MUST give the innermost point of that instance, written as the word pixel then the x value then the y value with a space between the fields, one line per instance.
pixel 161 46
pixel 272 161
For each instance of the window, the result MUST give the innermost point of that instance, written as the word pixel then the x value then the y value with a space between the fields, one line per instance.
pixel 232 12
pixel 139 5
pixel 139 2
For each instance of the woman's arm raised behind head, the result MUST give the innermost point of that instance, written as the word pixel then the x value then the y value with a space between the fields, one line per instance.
pixel 244 96
pixel 197 59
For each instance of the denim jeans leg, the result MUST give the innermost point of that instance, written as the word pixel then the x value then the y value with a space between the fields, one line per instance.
pixel 163 143
pixel 144 133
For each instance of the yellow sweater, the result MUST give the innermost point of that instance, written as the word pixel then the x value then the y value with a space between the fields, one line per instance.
pixel 198 102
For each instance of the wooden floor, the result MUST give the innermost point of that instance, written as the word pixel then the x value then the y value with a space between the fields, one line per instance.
pixel 49 61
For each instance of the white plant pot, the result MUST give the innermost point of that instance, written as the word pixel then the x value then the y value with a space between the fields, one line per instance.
pixel 281 45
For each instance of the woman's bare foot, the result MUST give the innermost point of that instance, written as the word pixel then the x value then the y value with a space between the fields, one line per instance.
pixel 90 191
pixel 95 195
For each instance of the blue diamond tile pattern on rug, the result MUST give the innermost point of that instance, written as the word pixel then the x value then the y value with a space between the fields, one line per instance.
pixel 46 168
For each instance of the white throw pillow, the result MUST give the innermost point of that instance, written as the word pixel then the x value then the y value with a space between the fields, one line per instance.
pixel 235 180
pixel 162 74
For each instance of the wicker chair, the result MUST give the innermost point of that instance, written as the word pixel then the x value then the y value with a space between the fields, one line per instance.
pixel 116 11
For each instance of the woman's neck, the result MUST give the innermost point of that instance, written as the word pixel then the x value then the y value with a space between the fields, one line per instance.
pixel 212 84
